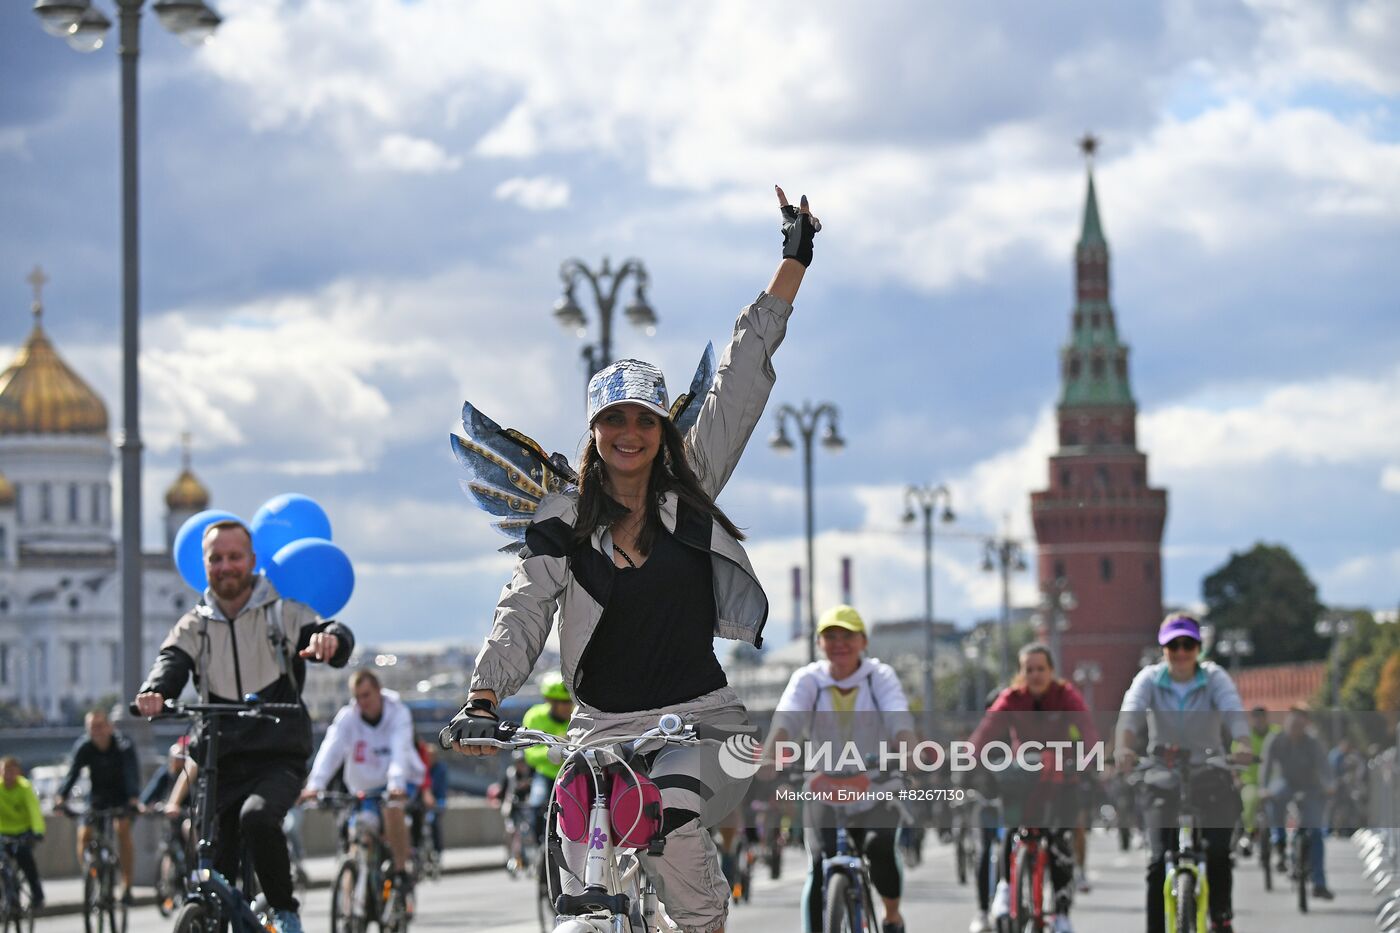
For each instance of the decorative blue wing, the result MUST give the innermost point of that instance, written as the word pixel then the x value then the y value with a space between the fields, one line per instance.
pixel 686 409
pixel 507 473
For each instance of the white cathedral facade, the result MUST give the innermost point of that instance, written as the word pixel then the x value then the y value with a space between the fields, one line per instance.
pixel 60 589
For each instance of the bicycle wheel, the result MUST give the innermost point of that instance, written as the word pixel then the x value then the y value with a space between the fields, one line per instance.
pixel 1266 857
pixel 1185 903
pixel 1023 898
pixel 92 900
pixel 168 881
pixel 1301 869
pixel 544 904
pixel 775 855
pixel 840 915
pixel 196 917
pixel 343 919
pixel 960 855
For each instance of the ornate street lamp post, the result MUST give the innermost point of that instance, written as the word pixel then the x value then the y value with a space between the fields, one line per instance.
pixel 1335 628
pixel 85 28
pixel 605 284
pixel 1086 674
pixel 1004 554
pixel 926 498
pixel 807 419
pixel 1056 602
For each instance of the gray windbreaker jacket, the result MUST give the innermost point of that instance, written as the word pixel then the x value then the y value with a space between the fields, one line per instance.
pixel 1192 722
pixel 555 579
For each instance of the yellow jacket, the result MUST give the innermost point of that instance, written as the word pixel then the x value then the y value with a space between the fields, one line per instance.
pixel 19 810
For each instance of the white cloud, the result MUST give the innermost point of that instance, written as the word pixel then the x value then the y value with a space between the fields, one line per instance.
pixel 323 382
pixel 541 193
pixel 1344 419
pixel 1390 478
pixel 403 153
pixel 697 101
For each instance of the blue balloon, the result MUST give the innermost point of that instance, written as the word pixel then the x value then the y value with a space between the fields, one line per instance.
pixel 188 548
pixel 315 572
pixel 284 519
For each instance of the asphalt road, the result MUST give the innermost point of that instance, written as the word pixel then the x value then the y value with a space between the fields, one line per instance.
pixel 489 901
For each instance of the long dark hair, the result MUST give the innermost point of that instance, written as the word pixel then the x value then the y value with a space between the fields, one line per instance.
pixel 670 472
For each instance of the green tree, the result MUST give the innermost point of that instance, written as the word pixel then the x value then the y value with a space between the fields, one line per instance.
pixel 1388 691
pixel 1266 592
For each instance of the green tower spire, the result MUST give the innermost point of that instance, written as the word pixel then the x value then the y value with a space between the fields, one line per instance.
pixel 1094 364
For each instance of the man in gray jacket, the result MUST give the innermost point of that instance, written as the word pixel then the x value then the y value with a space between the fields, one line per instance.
pixel 243 638
pixel 1185 703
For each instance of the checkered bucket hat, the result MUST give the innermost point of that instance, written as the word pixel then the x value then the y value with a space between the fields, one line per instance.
pixel 628 381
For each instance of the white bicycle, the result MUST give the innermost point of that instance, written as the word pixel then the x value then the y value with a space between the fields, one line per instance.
pixel 618 896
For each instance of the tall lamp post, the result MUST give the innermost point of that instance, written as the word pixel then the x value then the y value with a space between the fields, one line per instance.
pixel 85 28
pixel 1004 554
pixel 926 498
pixel 1335 628
pixel 807 419
pixel 1086 674
pixel 1056 602
pixel 605 284
pixel 1233 643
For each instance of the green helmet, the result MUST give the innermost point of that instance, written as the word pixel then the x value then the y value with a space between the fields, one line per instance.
pixel 552 687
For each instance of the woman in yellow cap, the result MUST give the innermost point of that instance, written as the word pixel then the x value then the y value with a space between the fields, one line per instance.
pixel 848 698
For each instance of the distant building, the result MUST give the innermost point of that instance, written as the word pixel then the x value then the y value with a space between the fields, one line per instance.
pixel 1098 525
pixel 1277 687
pixel 60 593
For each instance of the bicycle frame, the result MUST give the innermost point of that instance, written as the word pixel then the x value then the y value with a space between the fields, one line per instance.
pixel 849 860
pixel 1029 845
pixel 615 883
pixel 1189 857
pixel 206 886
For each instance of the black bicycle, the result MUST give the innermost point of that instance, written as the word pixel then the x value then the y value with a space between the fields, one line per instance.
pixel 104 909
pixel 16 907
pixel 212 904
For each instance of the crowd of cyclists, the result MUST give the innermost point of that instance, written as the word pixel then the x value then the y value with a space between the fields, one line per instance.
pixel 633 570
pixel 370 751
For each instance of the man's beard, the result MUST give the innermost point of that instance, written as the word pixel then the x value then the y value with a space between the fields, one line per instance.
pixel 232 587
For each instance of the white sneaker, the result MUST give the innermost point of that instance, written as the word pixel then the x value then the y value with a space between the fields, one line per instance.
pixel 1081 881
pixel 1001 900
pixel 980 924
pixel 1062 924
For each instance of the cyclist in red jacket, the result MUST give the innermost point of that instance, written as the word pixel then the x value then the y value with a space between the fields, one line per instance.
pixel 1040 707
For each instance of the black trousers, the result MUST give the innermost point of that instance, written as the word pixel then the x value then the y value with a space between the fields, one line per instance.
pixel 24 857
pixel 253 799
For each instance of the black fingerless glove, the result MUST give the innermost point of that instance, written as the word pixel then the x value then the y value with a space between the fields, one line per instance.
pixel 476 720
pixel 798 232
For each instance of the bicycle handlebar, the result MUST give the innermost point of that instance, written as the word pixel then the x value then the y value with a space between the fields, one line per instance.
pixel 250 708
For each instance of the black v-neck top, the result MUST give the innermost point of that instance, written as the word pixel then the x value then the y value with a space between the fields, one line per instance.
pixel 654 645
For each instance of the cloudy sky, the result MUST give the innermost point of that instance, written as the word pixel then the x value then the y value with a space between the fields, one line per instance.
pixel 354 211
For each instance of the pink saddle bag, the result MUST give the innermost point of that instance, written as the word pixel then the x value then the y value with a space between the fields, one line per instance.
pixel 635 806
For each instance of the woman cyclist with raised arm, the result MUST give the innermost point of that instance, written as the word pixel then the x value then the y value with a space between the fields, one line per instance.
pixel 1040 707
pixel 643 570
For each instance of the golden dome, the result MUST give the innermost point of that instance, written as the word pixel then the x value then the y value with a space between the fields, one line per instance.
pixel 40 394
pixel 187 494
pixel 7 492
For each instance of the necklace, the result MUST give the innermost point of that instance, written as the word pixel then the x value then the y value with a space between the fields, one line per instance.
pixel 625 556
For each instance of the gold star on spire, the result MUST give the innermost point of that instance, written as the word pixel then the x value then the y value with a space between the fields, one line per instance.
pixel 37 280
pixel 1089 144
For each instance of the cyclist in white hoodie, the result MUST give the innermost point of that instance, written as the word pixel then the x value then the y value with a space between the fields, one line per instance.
pixel 372 737
pixel 855 700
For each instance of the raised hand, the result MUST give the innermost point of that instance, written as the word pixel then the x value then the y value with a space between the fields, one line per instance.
pixel 800 226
